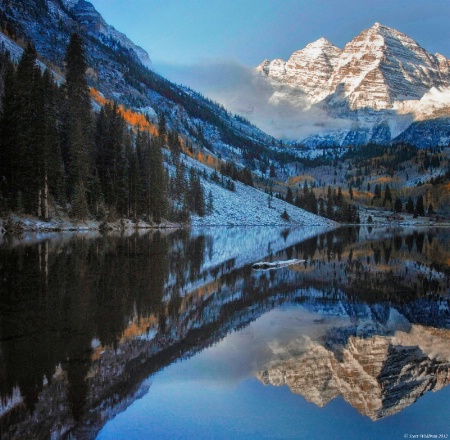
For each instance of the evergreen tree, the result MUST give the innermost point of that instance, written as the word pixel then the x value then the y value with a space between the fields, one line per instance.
pixel 180 181
pixel 420 209
pixel 377 192
pixel 158 178
pixel 77 125
pixel 289 196
pixel 387 196
pixel 210 205
pixel 143 153
pixel 330 211
pixel 134 187
pixel 322 211
pixel 162 128
pixel 23 132
pixel 47 146
pixel 339 197
pixel 398 207
pixel 111 159
pixel 409 207
pixel 272 172
pixel 9 129
pixel 196 198
pixel 311 202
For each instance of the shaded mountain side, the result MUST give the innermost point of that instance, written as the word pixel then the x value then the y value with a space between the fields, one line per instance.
pixel 119 71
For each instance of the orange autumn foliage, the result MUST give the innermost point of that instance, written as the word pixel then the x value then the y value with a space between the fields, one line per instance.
pixel 135 119
pixel 139 121
pixel 207 159
pixel 300 179
pixel 384 180
pixel 135 328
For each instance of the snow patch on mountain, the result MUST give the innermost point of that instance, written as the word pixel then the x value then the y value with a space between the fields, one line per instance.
pixel 8 45
pixel 434 103
pixel 69 4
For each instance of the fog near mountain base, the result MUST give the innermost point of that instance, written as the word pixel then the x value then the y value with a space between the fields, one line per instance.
pixel 242 90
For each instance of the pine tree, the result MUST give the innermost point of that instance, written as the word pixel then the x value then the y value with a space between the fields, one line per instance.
pixel 134 188
pixel 210 205
pixel 311 202
pixel 409 207
pixel 339 197
pixel 387 196
pixel 398 207
pixel 322 211
pixel 25 154
pixel 77 124
pixel 158 178
pixel 420 209
pixel 143 153
pixel 162 128
pixel 49 163
pixel 111 158
pixel 8 134
pixel 377 192
pixel 289 196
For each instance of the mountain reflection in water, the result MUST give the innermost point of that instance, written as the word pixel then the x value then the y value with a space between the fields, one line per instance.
pixel 86 320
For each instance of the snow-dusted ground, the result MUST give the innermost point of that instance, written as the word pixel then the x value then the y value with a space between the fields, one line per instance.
pixel 248 206
pixel 15 52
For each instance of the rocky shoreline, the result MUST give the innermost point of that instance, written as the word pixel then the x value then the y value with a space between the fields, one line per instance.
pixel 18 224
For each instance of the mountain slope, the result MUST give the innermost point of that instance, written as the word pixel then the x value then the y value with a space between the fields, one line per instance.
pixel 119 71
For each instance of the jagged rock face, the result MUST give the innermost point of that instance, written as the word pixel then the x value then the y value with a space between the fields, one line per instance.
pixel 308 69
pixel 379 376
pixel 375 69
pixel 86 14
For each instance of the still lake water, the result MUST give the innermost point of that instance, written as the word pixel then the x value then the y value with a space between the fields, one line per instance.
pixel 170 335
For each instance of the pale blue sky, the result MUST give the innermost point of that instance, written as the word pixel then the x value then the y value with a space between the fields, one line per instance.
pixel 248 31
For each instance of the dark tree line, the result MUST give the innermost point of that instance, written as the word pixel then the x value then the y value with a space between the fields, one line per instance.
pixel 333 207
pixel 55 151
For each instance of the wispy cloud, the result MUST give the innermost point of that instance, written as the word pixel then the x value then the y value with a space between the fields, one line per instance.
pixel 244 91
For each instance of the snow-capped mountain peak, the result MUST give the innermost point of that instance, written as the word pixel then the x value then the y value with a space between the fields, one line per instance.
pixel 379 73
pixel 377 67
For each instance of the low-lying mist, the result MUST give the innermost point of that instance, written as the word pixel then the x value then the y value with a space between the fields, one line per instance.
pixel 242 90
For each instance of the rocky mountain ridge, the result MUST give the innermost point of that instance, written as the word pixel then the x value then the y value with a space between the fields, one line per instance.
pixel 381 80
pixel 88 16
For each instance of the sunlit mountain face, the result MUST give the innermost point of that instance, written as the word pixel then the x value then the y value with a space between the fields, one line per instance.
pixel 364 316
pixel 378 85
